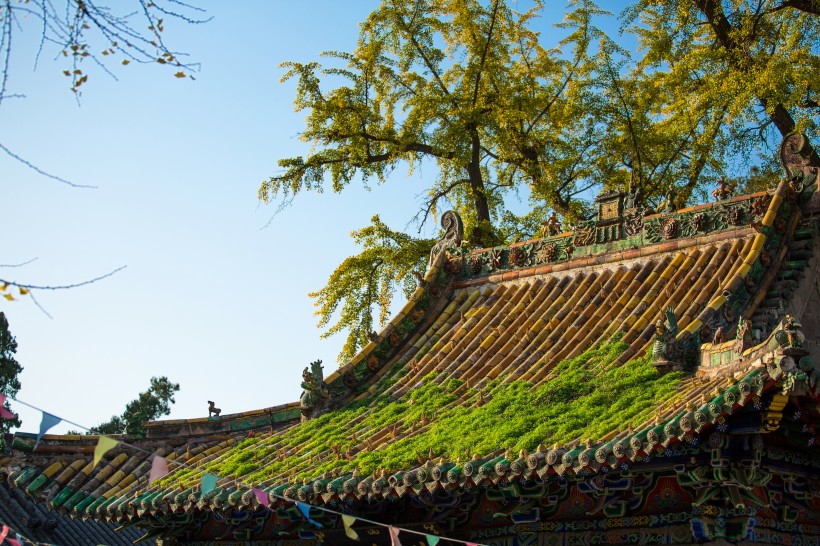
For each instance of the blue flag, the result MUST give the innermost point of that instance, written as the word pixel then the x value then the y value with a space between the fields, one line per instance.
pixel 208 483
pixel 47 422
pixel 305 509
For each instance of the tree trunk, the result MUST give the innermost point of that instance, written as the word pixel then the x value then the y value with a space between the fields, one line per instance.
pixel 482 233
pixel 739 59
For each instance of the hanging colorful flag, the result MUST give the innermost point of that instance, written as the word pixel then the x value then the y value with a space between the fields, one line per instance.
pixel 349 531
pixel 159 468
pixel 4 413
pixel 394 535
pixel 262 497
pixel 3 533
pixel 12 542
pixel 305 509
pixel 104 445
pixel 47 422
pixel 208 483
pixel 432 540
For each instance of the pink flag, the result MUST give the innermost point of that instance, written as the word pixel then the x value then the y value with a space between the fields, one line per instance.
pixel 262 497
pixel 4 413
pixel 394 535
pixel 159 468
pixel 12 542
pixel 3 533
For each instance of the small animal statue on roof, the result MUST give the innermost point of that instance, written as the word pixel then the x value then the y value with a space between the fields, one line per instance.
pixel 670 196
pixel 315 392
pixel 552 226
pixel 724 189
pixel 666 351
pixel 634 195
pixel 744 335
pixel 213 410
pixel 789 334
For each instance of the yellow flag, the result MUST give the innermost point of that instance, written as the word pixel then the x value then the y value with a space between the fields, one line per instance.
pixel 349 531
pixel 104 445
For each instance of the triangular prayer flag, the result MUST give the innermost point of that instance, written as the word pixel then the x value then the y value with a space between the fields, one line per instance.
pixel 3 533
pixel 12 542
pixel 47 422
pixel 209 482
pixel 262 497
pixel 4 413
pixel 394 535
pixel 159 468
pixel 104 445
pixel 305 509
pixel 349 531
pixel 432 540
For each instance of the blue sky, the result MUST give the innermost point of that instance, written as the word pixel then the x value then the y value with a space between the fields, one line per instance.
pixel 209 298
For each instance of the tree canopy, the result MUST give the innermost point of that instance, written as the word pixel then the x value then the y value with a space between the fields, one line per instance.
pixel 9 370
pixel 148 406
pixel 471 87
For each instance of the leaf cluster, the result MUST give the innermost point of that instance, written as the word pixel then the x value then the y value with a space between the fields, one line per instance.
pixel 148 406
pixel 369 279
pixel 87 30
pixel 9 370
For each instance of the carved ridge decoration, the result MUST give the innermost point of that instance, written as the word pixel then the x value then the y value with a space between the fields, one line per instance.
pixel 620 216
pixel 796 154
pixel 453 235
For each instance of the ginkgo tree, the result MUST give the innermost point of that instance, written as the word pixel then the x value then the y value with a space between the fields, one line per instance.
pixel 470 87
pixel 749 70
pixel 466 85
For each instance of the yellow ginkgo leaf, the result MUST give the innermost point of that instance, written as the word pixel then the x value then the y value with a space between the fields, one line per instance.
pixel 126 61
pixel 180 74
pixel 4 286
pixel 9 297
pixel 23 291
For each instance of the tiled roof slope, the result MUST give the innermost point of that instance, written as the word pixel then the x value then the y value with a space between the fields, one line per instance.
pixel 35 522
pixel 487 319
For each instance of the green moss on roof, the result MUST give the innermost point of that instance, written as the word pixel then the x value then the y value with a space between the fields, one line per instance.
pixel 587 397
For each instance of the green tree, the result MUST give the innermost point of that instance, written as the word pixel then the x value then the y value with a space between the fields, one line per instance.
pixel 744 74
pixel 9 370
pixel 368 280
pixel 464 84
pixel 148 406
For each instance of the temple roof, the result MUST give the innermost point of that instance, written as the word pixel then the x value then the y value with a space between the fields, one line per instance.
pixel 582 353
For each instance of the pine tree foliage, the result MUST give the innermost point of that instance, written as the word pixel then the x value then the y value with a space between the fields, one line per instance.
pixel 9 369
pixel 369 280
pixel 148 406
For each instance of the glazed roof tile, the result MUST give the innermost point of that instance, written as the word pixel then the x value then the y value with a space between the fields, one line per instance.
pixel 486 319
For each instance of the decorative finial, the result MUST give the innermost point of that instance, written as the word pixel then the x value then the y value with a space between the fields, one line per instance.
pixel 453 235
pixel 213 410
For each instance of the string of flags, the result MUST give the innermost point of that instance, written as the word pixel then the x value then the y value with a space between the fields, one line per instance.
pixel 159 468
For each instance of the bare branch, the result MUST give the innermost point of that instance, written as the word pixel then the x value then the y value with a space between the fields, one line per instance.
pixel 42 172
pixel 20 264
pixel 64 286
